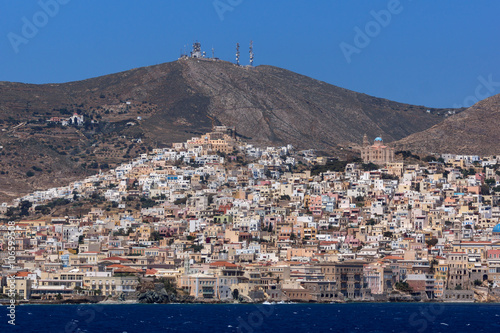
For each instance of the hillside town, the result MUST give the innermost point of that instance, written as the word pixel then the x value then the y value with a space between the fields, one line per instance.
pixel 215 219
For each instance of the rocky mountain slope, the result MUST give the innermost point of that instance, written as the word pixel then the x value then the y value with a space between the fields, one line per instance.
pixel 473 131
pixel 130 112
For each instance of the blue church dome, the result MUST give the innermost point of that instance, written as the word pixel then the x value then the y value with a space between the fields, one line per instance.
pixel 378 138
pixel 496 229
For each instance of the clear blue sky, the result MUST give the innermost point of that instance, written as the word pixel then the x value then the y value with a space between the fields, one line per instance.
pixel 431 53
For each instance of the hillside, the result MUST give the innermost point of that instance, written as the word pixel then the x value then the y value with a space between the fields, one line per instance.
pixel 130 112
pixel 473 131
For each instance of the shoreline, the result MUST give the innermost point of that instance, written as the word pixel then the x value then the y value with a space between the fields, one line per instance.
pixel 241 303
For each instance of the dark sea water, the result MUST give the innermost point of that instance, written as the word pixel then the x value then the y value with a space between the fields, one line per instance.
pixel 355 317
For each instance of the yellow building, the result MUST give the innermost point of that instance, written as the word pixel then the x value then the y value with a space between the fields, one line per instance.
pixel 395 168
pixel 110 285
pixel 198 285
pixel 19 286
pixel 473 248
pixel 441 277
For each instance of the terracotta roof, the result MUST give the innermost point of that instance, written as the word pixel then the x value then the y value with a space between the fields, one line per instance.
pixel 127 270
pixel 222 264
pixel 393 258
pixel 473 242
pixel 116 258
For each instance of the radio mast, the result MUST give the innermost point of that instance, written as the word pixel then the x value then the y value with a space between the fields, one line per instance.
pixel 238 54
pixel 251 53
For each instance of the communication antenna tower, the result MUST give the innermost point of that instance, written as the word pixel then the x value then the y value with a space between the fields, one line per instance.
pixel 213 53
pixel 251 53
pixel 238 54
pixel 196 53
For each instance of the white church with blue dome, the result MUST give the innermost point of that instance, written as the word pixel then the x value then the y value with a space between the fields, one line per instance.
pixel 496 231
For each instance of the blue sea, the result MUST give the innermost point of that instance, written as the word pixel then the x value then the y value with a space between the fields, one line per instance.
pixel 355 317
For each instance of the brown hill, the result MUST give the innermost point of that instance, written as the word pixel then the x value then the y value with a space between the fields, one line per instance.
pixel 130 112
pixel 473 131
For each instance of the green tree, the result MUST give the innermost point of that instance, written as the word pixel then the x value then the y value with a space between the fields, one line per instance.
pixel 197 248
pixel 485 189
pixel 490 181
pixel 469 172
pixel 403 286
pixel 369 166
pixel 331 165
pixel 155 236
pixel 431 242
pixel 432 269
pixel 25 205
pixel 371 222
pixel 147 202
